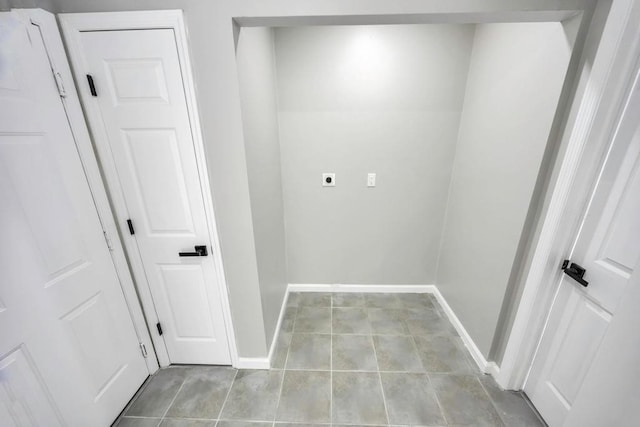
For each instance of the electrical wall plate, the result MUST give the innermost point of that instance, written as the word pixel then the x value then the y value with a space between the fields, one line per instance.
pixel 371 180
pixel 328 179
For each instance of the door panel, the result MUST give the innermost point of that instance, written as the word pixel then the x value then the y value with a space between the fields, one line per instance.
pixel 158 178
pixel 26 401
pixel 608 247
pixel 68 350
pixel 147 137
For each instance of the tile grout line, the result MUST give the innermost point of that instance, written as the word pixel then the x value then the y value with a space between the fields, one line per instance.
pixel 284 367
pixel 171 403
pixel 444 417
pixel 384 399
pixel 235 375
pixel 331 359
pixel 498 411
pixel 428 373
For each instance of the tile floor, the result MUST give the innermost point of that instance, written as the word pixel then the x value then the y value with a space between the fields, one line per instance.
pixel 342 359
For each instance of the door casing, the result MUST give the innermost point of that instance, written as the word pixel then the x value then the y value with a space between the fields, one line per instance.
pixel 74 23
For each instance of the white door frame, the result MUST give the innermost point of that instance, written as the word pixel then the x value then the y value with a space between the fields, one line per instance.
pixel 595 113
pixel 52 40
pixel 74 23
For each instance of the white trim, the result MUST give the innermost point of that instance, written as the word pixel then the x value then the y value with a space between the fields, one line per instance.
pixel 475 352
pixel 252 363
pixel 72 24
pixel 338 287
pixel 276 334
pixel 71 103
pixel 596 109
pixel 492 369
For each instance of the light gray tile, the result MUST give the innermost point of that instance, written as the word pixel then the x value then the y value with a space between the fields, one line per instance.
pixel 417 301
pixel 253 396
pixel 288 319
pixel 512 406
pixel 138 422
pixel 463 400
pixel 309 351
pixel 176 422
pixel 306 397
pixel 428 322
pixel 313 319
pixel 387 321
pixel 292 300
pixel 350 320
pixel 443 353
pixel 353 353
pixel 397 353
pixel 242 424
pixel 282 349
pixel 314 299
pixel 357 398
pixel 202 393
pixel 348 299
pixel 411 399
pixel 380 300
pixel 158 393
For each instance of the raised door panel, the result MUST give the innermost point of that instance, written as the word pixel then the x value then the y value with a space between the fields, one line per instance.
pixel 157 177
pixel 578 331
pixel 43 201
pixel 137 80
pixel 186 294
pixel 25 398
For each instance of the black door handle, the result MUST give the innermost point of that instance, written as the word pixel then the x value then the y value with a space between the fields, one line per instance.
pixel 201 250
pixel 575 271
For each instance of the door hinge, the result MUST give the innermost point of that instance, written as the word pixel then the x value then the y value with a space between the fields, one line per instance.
pixel 92 85
pixel 159 328
pixel 130 225
pixel 108 240
pixel 143 349
pixel 60 83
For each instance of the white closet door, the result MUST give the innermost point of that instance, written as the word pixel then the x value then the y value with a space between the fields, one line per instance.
pixel 609 248
pixel 146 130
pixel 69 354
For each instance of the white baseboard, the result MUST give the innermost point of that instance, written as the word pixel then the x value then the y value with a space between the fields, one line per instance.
pixel 276 334
pixel 252 363
pixel 368 288
pixel 476 354
pixel 493 369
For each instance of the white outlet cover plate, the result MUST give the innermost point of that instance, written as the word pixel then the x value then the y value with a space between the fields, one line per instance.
pixel 328 175
pixel 371 180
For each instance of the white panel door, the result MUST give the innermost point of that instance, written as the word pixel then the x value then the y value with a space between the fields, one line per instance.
pixel 609 248
pixel 69 354
pixel 145 125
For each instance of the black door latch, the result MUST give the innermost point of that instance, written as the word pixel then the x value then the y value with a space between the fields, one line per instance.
pixel 574 271
pixel 201 250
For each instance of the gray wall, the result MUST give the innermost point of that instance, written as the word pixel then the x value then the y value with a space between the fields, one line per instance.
pixel 25 4
pixel 359 99
pixel 515 78
pixel 256 73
